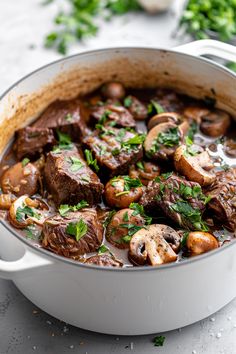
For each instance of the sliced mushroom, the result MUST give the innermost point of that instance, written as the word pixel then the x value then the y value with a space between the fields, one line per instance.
pixel 25 211
pixel 194 168
pixel 149 245
pixel 113 90
pixel 158 150
pixel 166 117
pixel 230 147
pixel 20 179
pixel 215 123
pixel 201 242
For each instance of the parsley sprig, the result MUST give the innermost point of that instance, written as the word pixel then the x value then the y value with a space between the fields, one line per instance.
pixel 64 209
pixel 77 229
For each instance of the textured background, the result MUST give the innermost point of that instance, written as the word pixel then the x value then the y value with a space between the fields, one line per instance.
pixel 25 329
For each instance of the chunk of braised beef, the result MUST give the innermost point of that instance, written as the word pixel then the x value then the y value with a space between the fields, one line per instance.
pixel 104 260
pixel 55 235
pixel 67 116
pixel 180 200
pixel 70 180
pixel 111 148
pixel 32 141
pixel 136 107
pixel 169 100
pixel 223 198
pixel 112 112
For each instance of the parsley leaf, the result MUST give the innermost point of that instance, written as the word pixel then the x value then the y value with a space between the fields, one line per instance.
pixel 193 215
pixel 64 209
pixel 24 211
pixel 90 160
pixel 103 249
pixel 76 164
pixel 139 210
pixel 155 108
pixel 77 229
pixel 159 341
pixel 64 142
pixel 128 101
pixel 25 161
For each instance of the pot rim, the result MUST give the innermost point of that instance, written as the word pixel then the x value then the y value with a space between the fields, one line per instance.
pixel 69 261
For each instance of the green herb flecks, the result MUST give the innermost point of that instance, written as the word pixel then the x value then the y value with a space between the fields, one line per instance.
pixel 139 210
pixel 155 108
pixel 79 20
pixel 64 209
pixel 76 163
pixel 103 249
pixel 25 161
pixel 64 142
pixel 128 101
pixel 168 138
pixel 140 165
pixel 108 218
pixel 134 142
pixel 90 160
pixel 68 117
pixel 77 229
pixel 159 341
pixel 189 215
pixel 25 211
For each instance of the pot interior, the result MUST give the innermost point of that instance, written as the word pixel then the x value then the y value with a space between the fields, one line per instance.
pixel 134 67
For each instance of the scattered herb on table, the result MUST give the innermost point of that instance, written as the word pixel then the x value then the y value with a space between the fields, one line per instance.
pixel 159 341
pixel 202 16
pixel 79 20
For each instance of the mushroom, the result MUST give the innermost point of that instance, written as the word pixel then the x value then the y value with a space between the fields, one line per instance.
pixel 6 201
pixel 119 194
pixel 230 147
pixel 25 211
pixel 145 171
pixel 149 245
pixel 162 141
pixel 122 226
pixel 215 123
pixel 195 113
pixel 113 90
pixel 171 117
pixel 201 242
pixel 20 179
pixel 194 168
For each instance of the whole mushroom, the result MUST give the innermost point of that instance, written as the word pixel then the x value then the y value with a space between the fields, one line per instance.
pixel 201 242
pixel 195 168
pixel 150 245
pixel 113 90
pixel 215 123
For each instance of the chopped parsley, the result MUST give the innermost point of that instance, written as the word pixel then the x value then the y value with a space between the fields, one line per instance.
pixel 77 229
pixel 128 101
pixel 140 165
pixel 91 162
pixel 133 142
pixel 64 209
pixel 126 216
pixel 115 152
pixel 139 210
pixel 76 164
pixel 192 130
pixel 129 183
pixel 103 249
pixel 23 212
pixel 159 341
pixel 189 214
pixel 131 230
pixel 109 217
pixel 164 176
pixel 155 108
pixel 168 138
pixel 25 161
pixel 104 117
pixel 188 192
pixel 68 117
pixel 64 142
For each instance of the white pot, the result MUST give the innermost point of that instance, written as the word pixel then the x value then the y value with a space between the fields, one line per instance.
pixel 120 301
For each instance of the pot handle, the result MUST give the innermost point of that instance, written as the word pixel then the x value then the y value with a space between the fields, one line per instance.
pixel 211 47
pixel 24 266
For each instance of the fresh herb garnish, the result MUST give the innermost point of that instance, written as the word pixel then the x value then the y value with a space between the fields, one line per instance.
pixel 168 138
pixel 115 152
pixel 132 143
pixel 155 108
pixel 24 211
pixel 129 182
pixel 128 101
pixel 104 117
pixel 77 229
pixel 126 216
pixel 76 164
pixel 79 20
pixel 139 210
pixel 91 162
pixel 140 165
pixel 103 249
pixel 189 214
pixel 68 117
pixel 231 65
pixel 64 142
pixel 109 217
pixel 159 341
pixel 25 161
pixel 64 209
pixel 164 176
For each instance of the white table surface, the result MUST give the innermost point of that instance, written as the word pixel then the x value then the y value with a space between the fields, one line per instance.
pixel 24 328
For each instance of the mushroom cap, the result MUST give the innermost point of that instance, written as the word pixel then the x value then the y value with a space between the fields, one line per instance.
pixel 195 113
pixel 215 123
pixel 165 152
pixel 194 168
pixel 171 117
pixel 113 90
pixel 199 242
pixel 149 245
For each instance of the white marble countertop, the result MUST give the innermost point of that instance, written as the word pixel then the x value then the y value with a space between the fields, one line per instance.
pixel 23 328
